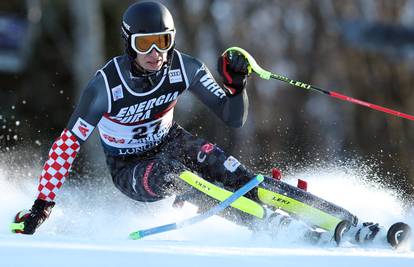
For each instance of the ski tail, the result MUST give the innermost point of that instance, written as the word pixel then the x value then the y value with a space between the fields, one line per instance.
pixel 398 234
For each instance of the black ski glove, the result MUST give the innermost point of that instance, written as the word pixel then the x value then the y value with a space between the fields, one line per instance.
pixel 26 222
pixel 233 68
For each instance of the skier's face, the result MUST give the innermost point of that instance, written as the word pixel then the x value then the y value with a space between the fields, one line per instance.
pixel 152 61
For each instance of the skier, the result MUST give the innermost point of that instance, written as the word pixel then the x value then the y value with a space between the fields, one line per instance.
pixel 131 100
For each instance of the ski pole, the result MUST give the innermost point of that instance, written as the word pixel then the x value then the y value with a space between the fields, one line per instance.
pixel 198 218
pixel 264 74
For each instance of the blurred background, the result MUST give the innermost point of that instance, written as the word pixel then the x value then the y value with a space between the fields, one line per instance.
pixel 49 49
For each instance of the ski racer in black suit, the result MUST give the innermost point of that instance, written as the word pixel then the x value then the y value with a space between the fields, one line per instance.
pixel 131 101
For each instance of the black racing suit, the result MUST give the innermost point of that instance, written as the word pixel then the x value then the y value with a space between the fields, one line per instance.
pixel 145 149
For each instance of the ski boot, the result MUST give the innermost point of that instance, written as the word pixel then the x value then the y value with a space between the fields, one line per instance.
pixel 281 223
pixel 397 235
pixel 362 234
pixel 367 232
pixel 276 222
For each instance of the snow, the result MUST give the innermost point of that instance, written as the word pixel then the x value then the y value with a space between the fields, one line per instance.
pixel 28 252
pixel 90 224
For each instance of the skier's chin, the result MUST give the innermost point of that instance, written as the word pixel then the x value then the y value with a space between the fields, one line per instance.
pixel 152 66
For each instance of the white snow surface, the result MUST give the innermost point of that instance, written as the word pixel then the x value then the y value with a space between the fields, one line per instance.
pixel 90 225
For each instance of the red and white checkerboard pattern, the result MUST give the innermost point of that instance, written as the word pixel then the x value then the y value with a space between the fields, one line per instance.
pixel 56 168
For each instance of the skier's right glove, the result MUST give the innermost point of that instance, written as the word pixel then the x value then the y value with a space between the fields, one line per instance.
pixel 233 68
pixel 26 222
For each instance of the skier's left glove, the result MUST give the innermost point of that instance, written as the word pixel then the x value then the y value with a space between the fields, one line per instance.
pixel 233 68
pixel 26 222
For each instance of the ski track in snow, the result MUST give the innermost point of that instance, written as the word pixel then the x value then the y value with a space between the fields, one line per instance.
pixel 89 227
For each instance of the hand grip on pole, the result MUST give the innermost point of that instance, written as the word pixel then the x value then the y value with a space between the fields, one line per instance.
pixel 253 66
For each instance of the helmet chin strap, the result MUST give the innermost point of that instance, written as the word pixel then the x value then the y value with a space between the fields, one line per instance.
pixel 138 71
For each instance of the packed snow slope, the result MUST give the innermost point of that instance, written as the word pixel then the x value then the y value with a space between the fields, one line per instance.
pixel 90 225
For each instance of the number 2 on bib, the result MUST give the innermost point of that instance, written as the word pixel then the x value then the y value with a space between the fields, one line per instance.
pixel 143 131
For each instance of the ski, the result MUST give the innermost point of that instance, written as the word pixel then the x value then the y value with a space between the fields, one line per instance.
pixel 198 218
pixel 279 206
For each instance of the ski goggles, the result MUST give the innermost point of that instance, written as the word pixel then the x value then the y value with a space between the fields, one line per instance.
pixel 143 43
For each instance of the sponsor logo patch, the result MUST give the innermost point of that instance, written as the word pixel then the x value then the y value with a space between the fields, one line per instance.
pixel 207 148
pixel 112 139
pixel 175 76
pixel 231 164
pixel 117 92
pixel 82 129
pixel 210 84
pixel 201 156
pixel 142 111
pixel 204 151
